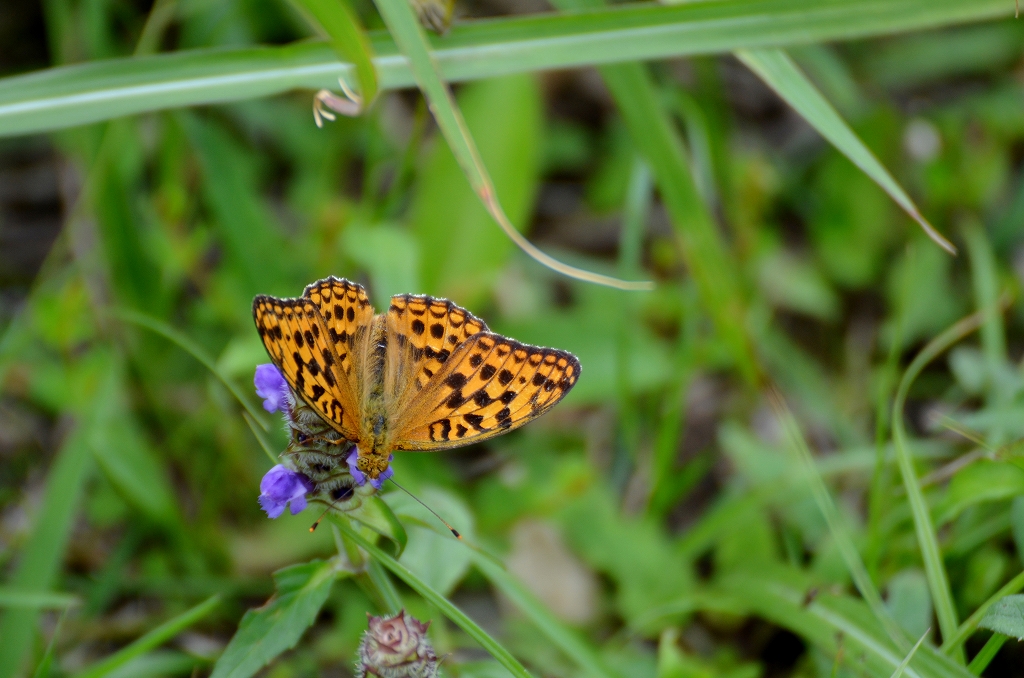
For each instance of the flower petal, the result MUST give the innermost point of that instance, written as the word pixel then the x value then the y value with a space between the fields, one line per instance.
pixel 378 482
pixel 352 460
pixel 272 387
pixel 273 507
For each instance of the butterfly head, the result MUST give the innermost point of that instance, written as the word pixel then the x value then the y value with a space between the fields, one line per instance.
pixel 373 464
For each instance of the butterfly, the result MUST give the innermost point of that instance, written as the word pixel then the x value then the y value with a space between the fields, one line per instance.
pixel 425 375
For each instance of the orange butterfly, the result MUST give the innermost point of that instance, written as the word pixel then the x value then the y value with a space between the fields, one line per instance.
pixel 427 375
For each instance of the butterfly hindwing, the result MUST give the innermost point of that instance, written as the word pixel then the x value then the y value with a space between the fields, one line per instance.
pixel 301 343
pixel 490 385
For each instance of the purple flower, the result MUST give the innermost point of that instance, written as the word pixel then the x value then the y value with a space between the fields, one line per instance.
pixel 271 386
pixel 279 487
pixel 360 477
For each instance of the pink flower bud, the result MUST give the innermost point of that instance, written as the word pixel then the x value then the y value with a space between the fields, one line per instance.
pixel 396 647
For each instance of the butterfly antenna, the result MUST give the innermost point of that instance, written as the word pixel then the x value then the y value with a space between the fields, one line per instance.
pixel 452 529
pixel 312 528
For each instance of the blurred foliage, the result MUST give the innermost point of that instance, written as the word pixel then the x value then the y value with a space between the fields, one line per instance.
pixel 655 523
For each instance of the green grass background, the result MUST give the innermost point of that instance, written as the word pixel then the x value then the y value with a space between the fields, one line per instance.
pixel 796 456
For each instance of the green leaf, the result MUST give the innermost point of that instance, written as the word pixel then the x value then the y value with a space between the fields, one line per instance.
pixel 268 631
pixel 101 90
pixel 438 559
pixel 645 574
pixel 1006 617
pixel 151 640
pixel 984 480
pixel 375 514
pixel 970 626
pixel 347 38
pixel 909 601
pixel 919 60
pixel 780 73
pixel 159 664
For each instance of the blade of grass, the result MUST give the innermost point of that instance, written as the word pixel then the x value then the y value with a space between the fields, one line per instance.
pixel 43 554
pixel 453 613
pixel 634 222
pixel 383 584
pixel 11 597
pixel 881 477
pixel 45 664
pixel 987 653
pixel 193 349
pixel 103 90
pixel 411 40
pixel 985 281
pixel 910 655
pixel 835 623
pixel 347 38
pixel 779 72
pixel 152 640
pixel 707 257
pixel 370 576
pixel 841 536
pixel 541 617
pixel 971 624
pixel 261 437
pixel 935 568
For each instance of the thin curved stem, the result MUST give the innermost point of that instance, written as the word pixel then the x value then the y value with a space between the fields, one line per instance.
pixel 935 569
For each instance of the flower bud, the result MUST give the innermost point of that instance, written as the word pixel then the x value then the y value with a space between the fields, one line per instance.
pixel 396 647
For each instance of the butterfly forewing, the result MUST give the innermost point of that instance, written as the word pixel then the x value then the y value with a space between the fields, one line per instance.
pixel 301 344
pixel 422 333
pixel 490 385
pixel 346 312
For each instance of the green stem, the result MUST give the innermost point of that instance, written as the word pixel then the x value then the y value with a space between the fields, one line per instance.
pixel 496 650
pixel 152 640
pixel 987 653
pixel 971 625
pixel 193 349
pixel 935 568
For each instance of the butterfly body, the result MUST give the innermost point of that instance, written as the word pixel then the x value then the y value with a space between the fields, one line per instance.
pixel 424 375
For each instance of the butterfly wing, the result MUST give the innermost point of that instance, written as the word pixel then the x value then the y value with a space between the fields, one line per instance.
pixel 311 341
pixel 490 385
pixel 347 314
pixel 422 333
